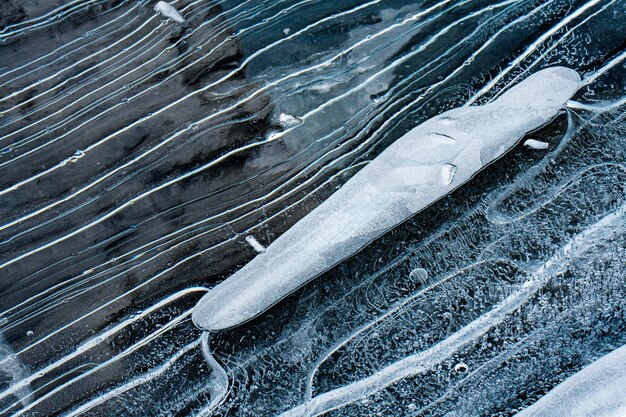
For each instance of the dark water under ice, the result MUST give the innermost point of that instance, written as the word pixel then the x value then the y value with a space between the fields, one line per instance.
pixel 136 154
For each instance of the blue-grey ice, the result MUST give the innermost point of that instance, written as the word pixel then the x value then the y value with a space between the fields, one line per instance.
pixel 427 163
pixel 598 390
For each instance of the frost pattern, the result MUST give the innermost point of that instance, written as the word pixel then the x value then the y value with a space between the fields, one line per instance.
pixel 137 153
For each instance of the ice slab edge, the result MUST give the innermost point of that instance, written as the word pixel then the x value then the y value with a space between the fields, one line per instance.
pixel 597 390
pixel 424 165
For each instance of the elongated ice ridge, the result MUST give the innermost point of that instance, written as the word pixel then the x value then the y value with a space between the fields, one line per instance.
pixel 427 163
pixel 218 383
pixel 597 390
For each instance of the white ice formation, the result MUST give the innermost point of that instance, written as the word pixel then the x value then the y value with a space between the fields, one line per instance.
pixel 256 245
pixel 536 144
pixel 598 390
pixel 170 11
pixel 427 163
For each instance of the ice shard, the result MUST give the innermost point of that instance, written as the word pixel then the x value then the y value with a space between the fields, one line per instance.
pixel 427 163
pixel 170 11
pixel 597 390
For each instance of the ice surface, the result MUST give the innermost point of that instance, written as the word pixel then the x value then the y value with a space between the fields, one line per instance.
pixel 536 144
pixel 168 10
pixel 255 244
pixel 598 390
pixel 609 226
pixel 137 154
pixel 447 173
pixel 412 173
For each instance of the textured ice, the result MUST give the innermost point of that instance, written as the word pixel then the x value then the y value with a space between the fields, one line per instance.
pixel 256 245
pixel 424 165
pixel 536 144
pixel 613 224
pixel 168 10
pixel 598 390
pixel 138 153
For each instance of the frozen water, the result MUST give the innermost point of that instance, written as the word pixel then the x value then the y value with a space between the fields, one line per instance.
pixel 401 181
pixel 597 390
pixel 255 243
pixel 168 10
pixel 138 153
pixel 447 173
pixel 536 144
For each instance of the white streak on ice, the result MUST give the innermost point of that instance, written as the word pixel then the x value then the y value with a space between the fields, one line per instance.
pixel 532 48
pixel 255 244
pixel 134 383
pixel 95 341
pixel 218 383
pixel 180 132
